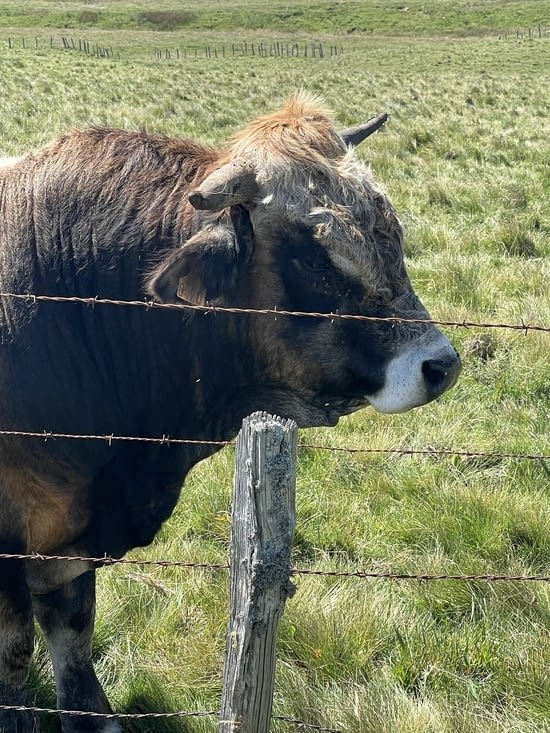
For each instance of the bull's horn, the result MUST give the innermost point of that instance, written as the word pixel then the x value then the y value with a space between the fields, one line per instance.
pixel 233 183
pixel 355 135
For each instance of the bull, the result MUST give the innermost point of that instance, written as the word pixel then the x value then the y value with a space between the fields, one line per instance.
pixel 286 216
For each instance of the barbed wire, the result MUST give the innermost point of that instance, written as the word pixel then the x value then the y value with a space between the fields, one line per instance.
pixel 150 304
pixel 111 437
pixel 107 560
pixel 106 716
pixel 149 716
pixel 367 574
pixel 167 440
pixel 431 452
pixel 303 724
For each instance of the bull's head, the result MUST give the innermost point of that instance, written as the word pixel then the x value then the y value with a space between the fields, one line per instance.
pixel 297 223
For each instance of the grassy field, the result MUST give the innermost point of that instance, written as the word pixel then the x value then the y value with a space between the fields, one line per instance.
pixel 333 16
pixel 465 159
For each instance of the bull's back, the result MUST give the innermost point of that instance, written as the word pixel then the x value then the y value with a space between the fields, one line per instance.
pixel 86 217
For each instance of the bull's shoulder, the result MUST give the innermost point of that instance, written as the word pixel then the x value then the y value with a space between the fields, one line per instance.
pixel 109 146
pixel 98 187
pixel 108 163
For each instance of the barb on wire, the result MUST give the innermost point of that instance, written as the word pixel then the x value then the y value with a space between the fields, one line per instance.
pixel 430 452
pixel 109 560
pixel 110 438
pixel 152 716
pixel 107 716
pixel 303 724
pixel 150 304
pixel 364 574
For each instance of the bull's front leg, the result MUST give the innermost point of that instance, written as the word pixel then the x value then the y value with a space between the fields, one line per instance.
pixel 16 639
pixel 66 617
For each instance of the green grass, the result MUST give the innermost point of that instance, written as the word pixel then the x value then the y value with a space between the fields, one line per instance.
pixel 465 159
pixel 462 17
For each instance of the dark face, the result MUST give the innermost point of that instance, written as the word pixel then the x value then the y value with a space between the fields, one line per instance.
pixel 337 364
pixel 259 261
pixel 297 224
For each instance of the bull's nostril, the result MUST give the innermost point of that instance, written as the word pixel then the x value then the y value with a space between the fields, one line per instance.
pixel 440 374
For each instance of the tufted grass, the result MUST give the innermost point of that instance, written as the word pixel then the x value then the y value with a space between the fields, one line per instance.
pixel 465 159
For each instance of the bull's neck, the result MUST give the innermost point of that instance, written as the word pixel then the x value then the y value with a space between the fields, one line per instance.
pixel 221 384
pixel 222 375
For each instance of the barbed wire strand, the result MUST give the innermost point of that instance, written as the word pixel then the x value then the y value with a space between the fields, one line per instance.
pixel 146 716
pixel 110 438
pixel 431 452
pixel 303 724
pixel 167 440
pixel 362 574
pixel 150 304
pixel 108 560
pixel 106 716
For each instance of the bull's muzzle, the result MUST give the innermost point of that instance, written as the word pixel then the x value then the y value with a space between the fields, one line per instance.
pixel 419 374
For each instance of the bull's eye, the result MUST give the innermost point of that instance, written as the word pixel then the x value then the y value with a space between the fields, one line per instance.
pixel 311 281
pixel 315 265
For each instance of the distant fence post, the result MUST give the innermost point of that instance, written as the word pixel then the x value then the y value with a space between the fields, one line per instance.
pixel 262 536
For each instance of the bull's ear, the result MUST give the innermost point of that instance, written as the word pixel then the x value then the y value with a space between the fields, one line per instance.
pixel 200 272
pixel 206 269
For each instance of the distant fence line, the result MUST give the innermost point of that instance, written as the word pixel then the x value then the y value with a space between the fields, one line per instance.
pixel 65 42
pixel 246 49
pixel 239 49
pixel 88 48
pixel 539 31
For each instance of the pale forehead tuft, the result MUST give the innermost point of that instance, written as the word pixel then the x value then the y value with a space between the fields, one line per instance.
pixel 307 173
pixel 301 162
pixel 303 125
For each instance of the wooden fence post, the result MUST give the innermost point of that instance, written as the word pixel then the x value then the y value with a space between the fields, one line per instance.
pixel 262 535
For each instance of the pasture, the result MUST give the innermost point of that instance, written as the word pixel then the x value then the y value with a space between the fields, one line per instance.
pixel 465 158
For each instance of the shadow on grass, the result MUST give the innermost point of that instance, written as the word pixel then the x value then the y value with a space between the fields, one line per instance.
pixel 148 696
pixel 42 695
pixel 155 700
